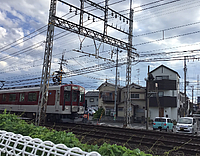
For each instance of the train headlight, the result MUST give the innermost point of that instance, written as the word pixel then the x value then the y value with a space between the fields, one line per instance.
pixel 66 108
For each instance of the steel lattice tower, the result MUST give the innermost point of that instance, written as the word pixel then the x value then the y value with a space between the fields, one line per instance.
pixel 43 95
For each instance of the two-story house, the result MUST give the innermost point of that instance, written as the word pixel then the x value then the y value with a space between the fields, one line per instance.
pixel 138 102
pixel 137 95
pixel 165 98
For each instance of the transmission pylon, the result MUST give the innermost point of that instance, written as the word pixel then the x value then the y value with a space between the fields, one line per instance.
pixel 43 94
pixel 127 111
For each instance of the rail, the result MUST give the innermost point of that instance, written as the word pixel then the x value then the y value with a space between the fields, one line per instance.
pixel 17 145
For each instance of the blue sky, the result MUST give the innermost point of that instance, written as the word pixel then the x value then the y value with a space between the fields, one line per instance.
pixel 178 21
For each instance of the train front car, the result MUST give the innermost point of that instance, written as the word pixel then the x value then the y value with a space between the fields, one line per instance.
pixel 72 99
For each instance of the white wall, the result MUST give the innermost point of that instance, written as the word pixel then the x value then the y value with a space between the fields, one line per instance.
pixel 171 112
pixel 153 112
pixel 166 72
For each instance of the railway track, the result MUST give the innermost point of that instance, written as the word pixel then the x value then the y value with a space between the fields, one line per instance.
pixel 154 142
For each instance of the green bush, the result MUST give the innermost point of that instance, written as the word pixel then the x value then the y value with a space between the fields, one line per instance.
pixel 11 123
pixel 99 113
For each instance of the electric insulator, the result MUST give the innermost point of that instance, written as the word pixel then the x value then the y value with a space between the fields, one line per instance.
pixel 54 79
pixel 76 12
pixel 93 19
pixel 127 22
pixel 88 17
pixel 120 18
pixel 123 20
pixel 112 14
pixel 70 9
pixel 115 15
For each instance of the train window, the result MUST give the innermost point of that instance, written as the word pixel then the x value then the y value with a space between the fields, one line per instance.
pixel 21 97
pixel 74 96
pixel 4 97
pixel 12 97
pixel 81 96
pixel 67 95
pixel 32 97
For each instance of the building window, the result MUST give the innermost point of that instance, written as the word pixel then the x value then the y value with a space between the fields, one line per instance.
pixel 91 99
pixel 21 97
pixel 4 97
pixel 162 77
pixel 160 94
pixel 108 111
pixel 134 96
pixel 120 109
pixel 32 97
pixel 12 97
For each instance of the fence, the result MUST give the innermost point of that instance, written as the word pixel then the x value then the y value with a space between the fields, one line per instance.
pixel 18 145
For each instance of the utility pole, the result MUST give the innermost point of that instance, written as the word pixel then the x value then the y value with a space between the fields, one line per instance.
pixel 127 110
pixel 185 70
pixel 147 103
pixel 115 106
pixel 192 99
pixel 57 79
pixel 2 84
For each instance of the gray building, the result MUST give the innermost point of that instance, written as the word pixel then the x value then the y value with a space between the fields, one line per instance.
pixel 91 98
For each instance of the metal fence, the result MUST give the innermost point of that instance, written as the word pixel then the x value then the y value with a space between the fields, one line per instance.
pixel 18 145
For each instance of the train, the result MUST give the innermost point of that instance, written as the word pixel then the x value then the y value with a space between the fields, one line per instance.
pixel 64 101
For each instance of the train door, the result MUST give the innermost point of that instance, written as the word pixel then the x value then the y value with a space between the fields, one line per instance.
pixel 75 103
pixel 57 100
pixel 66 99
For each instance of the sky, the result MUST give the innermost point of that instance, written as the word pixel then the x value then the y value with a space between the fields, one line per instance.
pixel 164 31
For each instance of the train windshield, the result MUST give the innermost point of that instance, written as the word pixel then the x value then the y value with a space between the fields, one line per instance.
pixel 67 95
pixel 74 95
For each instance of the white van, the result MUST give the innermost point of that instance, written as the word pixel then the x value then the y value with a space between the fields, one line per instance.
pixel 186 125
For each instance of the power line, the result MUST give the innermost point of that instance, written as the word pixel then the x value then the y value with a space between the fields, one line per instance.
pixel 190 33
pixel 176 27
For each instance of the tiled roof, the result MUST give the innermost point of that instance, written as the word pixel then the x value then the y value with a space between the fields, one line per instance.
pixel 92 93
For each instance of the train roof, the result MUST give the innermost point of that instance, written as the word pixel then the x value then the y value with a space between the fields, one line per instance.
pixel 32 88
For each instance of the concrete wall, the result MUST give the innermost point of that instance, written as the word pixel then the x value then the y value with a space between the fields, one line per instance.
pixel 171 112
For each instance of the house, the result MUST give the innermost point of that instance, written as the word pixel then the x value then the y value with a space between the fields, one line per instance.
pixel 91 98
pixel 107 97
pixel 138 102
pixel 164 100
pixel 107 100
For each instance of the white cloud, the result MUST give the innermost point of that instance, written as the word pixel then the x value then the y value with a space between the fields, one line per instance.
pixel 3 32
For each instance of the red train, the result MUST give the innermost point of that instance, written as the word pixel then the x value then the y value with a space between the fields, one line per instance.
pixel 64 101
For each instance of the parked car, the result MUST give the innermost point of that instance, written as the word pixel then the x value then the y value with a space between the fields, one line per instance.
pixel 91 111
pixel 163 123
pixel 187 125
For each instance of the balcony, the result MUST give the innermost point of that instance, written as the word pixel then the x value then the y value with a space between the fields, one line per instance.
pixel 166 84
pixel 108 96
pixel 165 101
